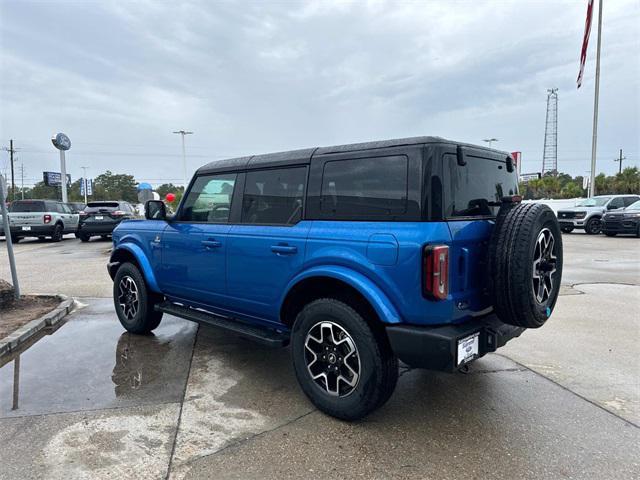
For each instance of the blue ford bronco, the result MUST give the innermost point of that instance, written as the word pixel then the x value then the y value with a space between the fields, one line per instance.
pixel 358 256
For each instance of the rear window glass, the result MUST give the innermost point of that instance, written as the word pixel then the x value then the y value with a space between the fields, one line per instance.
pixel 476 189
pixel 27 207
pixel 364 188
pixel 97 206
pixel 274 196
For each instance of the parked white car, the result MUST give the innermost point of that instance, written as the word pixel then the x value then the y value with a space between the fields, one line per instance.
pixel 41 218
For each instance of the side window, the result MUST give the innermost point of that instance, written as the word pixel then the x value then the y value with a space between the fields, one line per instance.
pixel 629 200
pixel 274 196
pixel 209 199
pixel 364 188
pixel 65 208
pixel 617 202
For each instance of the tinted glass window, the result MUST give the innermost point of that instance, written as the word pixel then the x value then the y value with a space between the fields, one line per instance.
pixel 27 206
pixel 274 196
pixel 64 208
pixel 629 200
pixel 617 202
pixel 209 199
pixel 364 188
pixel 476 189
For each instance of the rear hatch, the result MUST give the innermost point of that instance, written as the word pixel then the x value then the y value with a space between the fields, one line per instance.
pixel 101 213
pixel 473 189
pixel 27 212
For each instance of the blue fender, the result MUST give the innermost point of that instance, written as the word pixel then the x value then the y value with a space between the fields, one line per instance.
pixel 376 297
pixel 143 261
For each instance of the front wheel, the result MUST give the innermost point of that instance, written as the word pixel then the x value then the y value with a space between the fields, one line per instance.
pixel 594 226
pixel 134 303
pixel 84 237
pixel 610 234
pixel 344 367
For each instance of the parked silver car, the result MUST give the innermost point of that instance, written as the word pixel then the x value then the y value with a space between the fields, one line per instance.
pixel 41 218
pixel 587 214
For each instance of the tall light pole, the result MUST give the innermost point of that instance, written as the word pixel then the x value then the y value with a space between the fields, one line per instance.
pixel 184 158
pixel 84 180
pixel 490 141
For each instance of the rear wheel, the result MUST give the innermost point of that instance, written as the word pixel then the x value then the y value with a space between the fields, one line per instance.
pixel 15 238
pixel 84 237
pixel 526 265
pixel 344 367
pixel 593 226
pixel 610 234
pixel 133 301
pixel 57 233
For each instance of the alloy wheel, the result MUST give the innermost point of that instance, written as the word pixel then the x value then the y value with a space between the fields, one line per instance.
pixel 128 297
pixel 332 358
pixel 544 265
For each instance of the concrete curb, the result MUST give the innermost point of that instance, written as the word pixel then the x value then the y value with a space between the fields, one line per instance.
pixel 12 341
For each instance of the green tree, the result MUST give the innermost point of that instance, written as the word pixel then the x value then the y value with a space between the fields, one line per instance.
pixel 571 190
pixel 110 186
pixel 628 181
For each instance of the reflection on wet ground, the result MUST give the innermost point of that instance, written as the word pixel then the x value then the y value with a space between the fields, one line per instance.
pixel 92 363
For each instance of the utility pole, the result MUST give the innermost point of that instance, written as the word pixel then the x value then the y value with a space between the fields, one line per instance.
pixel 620 160
pixel 22 181
pixel 11 151
pixel 84 180
pixel 184 157
pixel 490 141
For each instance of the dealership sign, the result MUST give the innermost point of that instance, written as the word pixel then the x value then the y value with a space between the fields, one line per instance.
pixel 527 177
pixel 53 179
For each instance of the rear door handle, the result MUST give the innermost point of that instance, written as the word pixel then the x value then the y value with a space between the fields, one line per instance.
pixel 284 249
pixel 211 244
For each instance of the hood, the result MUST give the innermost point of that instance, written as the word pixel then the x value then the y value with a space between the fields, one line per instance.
pixel 583 209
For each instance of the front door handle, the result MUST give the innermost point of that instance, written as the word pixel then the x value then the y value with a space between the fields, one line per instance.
pixel 284 249
pixel 208 244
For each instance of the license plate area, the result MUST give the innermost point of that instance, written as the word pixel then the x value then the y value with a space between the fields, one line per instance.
pixel 468 349
pixel 99 217
pixel 26 229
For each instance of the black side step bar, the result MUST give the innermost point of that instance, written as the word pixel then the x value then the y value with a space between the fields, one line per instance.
pixel 263 335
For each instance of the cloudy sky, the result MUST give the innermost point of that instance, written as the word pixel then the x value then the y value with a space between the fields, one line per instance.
pixel 255 77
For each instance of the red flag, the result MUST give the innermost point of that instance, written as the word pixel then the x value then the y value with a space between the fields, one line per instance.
pixel 585 42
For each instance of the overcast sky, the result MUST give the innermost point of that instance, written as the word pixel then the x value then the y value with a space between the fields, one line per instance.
pixel 257 77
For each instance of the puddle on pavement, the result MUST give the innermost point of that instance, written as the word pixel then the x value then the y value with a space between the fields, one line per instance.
pixel 92 363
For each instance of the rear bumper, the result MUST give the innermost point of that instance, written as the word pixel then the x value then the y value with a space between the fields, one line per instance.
pixel 436 348
pixel 35 230
pixel 97 229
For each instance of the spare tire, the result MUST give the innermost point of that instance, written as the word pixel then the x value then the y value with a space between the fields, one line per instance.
pixel 525 264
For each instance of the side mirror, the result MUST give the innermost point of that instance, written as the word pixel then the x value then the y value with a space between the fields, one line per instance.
pixel 155 210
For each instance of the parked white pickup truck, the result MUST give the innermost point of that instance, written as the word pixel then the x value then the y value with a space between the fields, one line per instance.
pixel 41 218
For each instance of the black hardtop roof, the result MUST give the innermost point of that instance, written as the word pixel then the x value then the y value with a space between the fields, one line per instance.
pixel 297 157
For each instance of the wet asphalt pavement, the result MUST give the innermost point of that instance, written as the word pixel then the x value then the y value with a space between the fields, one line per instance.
pixel 92 401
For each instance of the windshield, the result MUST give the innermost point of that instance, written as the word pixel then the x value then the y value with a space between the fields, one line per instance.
pixel 634 206
pixel 593 202
pixel 27 207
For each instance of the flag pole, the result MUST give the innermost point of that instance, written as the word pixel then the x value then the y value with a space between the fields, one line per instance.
pixel 594 139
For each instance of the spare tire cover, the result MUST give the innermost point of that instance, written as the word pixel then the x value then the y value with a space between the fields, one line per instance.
pixel 525 264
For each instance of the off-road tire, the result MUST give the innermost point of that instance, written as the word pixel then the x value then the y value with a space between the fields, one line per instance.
pixel 593 226
pixel 58 232
pixel 567 229
pixel 378 364
pixel 145 318
pixel 511 264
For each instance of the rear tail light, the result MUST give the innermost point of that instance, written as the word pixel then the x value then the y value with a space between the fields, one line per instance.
pixel 119 213
pixel 47 219
pixel 435 271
